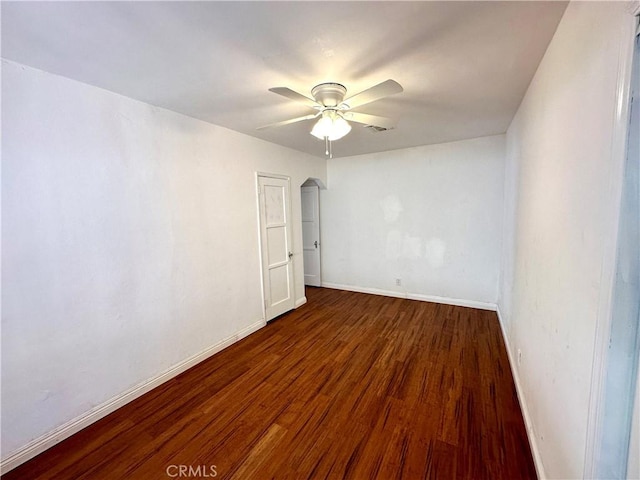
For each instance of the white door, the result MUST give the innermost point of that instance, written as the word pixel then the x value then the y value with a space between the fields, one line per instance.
pixel 311 235
pixel 276 245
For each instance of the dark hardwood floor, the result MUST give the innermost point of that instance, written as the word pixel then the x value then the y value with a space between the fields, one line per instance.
pixel 347 386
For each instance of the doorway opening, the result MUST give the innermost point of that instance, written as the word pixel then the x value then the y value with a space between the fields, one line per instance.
pixel 311 245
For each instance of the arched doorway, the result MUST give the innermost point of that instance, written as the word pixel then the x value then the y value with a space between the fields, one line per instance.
pixel 311 245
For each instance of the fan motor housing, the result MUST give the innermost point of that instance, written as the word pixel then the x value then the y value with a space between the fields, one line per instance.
pixel 329 94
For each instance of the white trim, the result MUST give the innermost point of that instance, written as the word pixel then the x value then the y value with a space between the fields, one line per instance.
pixel 259 225
pixel 246 331
pixel 607 274
pixel 64 431
pixel 414 296
pixel 300 302
pixel 274 175
pixel 537 458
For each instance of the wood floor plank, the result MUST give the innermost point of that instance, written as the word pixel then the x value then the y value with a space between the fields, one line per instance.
pixel 348 386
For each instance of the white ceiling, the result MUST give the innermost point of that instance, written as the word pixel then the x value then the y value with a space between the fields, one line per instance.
pixel 464 66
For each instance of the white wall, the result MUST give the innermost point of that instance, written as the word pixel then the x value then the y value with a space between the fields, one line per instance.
pixel 560 214
pixel 430 216
pixel 129 243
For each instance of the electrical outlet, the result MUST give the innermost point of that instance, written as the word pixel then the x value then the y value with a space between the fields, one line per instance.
pixel 398 282
pixel 519 357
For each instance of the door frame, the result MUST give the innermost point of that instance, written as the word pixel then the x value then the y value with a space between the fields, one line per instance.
pixel 595 413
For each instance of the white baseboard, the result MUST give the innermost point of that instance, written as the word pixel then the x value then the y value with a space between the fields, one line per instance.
pixel 537 459
pixel 414 296
pixel 245 332
pixel 48 440
pixel 300 302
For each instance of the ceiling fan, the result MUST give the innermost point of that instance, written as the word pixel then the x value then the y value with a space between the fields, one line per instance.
pixel 335 111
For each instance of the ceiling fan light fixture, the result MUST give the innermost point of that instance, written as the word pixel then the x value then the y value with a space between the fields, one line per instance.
pixel 340 128
pixel 323 127
pixel 331 126
pixel 335 111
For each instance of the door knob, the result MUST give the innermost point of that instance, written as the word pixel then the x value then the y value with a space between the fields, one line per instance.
pixel 315 243
pixel 290 255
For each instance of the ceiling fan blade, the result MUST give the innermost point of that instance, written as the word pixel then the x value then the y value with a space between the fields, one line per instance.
pixel 384 89
pixel 295 96
pixel 287 122
pixel 369 119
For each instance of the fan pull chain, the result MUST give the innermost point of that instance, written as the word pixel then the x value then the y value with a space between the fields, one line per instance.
pixel 330 150
pixel 326 145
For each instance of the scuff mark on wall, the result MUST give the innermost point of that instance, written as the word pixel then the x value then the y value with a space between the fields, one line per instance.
pixel 402 245
pixel 412 247
pixel 391 208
